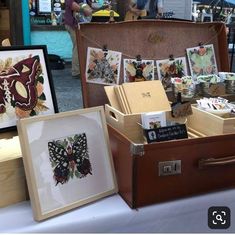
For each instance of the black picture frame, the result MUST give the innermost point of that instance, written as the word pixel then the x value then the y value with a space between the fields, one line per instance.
pixel 26 85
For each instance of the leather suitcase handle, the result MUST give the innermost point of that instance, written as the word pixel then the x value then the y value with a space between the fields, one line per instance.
pixel 216 162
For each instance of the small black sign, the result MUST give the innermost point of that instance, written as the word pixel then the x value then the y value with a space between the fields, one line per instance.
pixel 178 131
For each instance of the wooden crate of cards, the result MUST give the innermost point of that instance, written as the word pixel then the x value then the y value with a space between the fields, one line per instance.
pixel 210 123
pixel 198 164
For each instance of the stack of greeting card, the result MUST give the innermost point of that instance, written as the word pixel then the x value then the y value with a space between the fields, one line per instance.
pixel 138 97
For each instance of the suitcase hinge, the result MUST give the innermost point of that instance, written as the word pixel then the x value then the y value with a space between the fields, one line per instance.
pixel 137 149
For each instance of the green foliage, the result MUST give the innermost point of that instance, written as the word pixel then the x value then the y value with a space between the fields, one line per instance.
pixel 42 97
pixel 71 140
pixel 76 137
pixel 32 113
pixel 13 103
pixel 77 173
pixel 40 79
pixel 53 164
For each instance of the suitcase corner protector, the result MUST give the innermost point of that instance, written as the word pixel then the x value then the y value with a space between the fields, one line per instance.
pixel 137 149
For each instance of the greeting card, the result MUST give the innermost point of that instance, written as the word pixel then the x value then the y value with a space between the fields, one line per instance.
pixel 170 68
pixel 202 60
pixel 103 66
pixel 138 70
pixel 152 120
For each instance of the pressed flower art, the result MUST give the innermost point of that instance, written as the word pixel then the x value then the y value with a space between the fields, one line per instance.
pixel 170 68
pixel 24 86
pixel 137 71
pixel 103 66
pixel 202 60
pixel 69 158
pixel 68 161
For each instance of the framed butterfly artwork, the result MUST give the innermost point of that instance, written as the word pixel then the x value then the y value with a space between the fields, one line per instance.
pixel 26 87
pixel 67 160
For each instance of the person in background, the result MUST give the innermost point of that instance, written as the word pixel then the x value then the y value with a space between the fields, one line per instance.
pixel 149 8
pixel 71 23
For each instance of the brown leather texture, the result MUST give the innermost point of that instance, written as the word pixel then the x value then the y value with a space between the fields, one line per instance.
pixel 152 39
pixel 138 176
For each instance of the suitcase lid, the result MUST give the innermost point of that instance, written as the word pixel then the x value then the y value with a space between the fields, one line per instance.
pixel 152 39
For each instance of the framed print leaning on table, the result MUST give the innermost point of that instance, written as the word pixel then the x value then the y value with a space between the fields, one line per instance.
pixel 67 160
pixel 26 87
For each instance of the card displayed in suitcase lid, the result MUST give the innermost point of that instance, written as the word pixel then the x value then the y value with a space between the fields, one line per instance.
pixel 161 171
pixel 152 40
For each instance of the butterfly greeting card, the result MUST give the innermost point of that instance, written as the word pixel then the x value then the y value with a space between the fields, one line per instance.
pixel 66 167
pixel 138 70
pixel 202 60
pixel 103 66
pixel 25 85
pixel 170 68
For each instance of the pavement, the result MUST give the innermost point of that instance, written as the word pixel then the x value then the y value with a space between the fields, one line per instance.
pixel 67 89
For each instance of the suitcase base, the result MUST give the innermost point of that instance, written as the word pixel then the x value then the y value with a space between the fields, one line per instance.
pixel 206 164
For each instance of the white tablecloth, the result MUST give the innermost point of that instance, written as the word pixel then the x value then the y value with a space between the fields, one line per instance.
pixel 112 215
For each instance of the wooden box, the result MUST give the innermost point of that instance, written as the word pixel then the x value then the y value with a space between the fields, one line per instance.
pixel 13 186
pixel 130 124
pixel 210 124
pixel 125 123
pixel 150 173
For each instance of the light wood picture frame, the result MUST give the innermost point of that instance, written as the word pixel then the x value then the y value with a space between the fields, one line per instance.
pixel 67 160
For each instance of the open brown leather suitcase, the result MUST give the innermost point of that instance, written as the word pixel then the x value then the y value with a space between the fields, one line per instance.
pixel 150 173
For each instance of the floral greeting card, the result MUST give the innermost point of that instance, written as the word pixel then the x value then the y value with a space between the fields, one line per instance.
pixel 202 60
pixel 136 71
pixel 170 68
pixel 103 66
